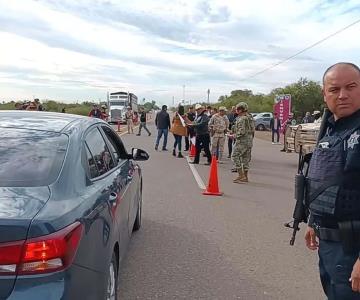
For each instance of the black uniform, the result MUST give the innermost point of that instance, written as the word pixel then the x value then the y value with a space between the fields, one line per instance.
pixel 333 196
pixel 202 137
pixel 143 123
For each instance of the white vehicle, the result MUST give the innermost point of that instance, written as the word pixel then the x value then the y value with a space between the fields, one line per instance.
pixel 262 121
pixel 117 105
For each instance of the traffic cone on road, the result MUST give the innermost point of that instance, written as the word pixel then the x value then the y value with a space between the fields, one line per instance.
pixel 213 186
pixel 192 150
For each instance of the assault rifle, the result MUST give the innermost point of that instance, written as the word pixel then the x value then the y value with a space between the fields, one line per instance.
pixel 301 211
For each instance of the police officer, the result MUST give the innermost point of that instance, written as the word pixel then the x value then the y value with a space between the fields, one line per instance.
pixel 333 189
pixel 243 129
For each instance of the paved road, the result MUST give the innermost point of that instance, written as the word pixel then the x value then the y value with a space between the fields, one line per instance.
pixel 231 247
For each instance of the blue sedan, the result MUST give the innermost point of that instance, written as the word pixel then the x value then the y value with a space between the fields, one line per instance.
pixel 70 197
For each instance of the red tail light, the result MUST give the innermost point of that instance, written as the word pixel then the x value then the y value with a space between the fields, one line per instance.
pixel 10 255
pixel 44 254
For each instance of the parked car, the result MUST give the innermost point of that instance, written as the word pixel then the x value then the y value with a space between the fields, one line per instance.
pixel 262 121
pixel 70 197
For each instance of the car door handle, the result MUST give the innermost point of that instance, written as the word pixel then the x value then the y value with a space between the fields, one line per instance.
pixel 112 198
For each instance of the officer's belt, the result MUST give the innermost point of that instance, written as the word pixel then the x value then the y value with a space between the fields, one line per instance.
pixel 328 234
pixel 348 232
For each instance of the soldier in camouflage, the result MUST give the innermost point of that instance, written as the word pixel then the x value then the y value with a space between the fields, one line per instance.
pixel 243 132
pixel 218 126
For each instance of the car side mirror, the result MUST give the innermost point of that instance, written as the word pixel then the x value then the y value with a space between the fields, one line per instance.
pixel 139 154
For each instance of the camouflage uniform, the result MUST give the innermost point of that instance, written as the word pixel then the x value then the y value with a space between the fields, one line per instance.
pixel 218 126
pixel 129 121
pixel 243 129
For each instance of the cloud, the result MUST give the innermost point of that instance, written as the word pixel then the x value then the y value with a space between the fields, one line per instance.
pixel 56 48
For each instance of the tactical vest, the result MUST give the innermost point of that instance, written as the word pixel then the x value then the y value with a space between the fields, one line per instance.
pixel 325 192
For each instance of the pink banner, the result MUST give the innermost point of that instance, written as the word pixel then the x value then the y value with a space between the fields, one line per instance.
pixel 282 107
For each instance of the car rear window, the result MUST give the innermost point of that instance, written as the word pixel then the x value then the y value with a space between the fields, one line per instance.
pixel 30 158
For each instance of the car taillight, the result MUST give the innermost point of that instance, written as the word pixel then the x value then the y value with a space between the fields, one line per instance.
pixel 10 255
pixel 44 254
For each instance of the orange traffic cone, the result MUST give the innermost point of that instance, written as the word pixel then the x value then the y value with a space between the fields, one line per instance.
pixel 192 150
pixel 213 186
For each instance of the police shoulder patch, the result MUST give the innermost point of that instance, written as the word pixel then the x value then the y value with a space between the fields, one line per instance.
pixel 353 140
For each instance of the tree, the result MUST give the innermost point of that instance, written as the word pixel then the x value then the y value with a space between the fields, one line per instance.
pixel 150 106
pixel 306 95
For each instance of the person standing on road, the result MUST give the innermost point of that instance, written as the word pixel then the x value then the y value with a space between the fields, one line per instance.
pixel 191 117
pixel 95 112
pixel 129 120
pixel 202 134
pixel 291 121
pixel 143 122
pixel 317 116
pixel 104 114
pixel 243 129
pixel 178 129
pixel 333 190
pixel 307 118
pixel 218 126
pixel 275 126
pixel 38 105
pixel 232 117
pixel 162 122
pixel 135 118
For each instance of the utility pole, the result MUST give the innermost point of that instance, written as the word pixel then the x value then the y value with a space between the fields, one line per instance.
pixel 208 94
pixel 173 101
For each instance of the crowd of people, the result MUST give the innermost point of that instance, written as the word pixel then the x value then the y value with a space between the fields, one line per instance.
pixel 131 117
pixel 207 129
pixel 29 105
pixel 98 112
pixel 315 117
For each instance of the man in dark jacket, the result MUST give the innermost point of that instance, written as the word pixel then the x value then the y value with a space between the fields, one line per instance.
pixel 232 118
pixel 143 122
pixel 275 126
pixel 162 122
pixel 191 116
pixel 202 134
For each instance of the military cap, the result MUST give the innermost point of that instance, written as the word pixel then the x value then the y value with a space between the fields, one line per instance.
pixel 243 106
pixel 222 108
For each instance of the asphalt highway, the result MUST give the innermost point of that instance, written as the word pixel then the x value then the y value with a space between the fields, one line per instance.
pixel 192 246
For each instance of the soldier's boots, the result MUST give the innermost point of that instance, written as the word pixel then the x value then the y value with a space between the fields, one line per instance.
pixel 242 178
pixel 246 179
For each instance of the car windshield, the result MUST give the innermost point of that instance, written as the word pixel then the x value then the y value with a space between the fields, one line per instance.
pixel 30 158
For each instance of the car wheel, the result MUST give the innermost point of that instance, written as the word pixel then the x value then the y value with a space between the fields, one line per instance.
pixel 260 127
pixel 137 223
pixel 112 285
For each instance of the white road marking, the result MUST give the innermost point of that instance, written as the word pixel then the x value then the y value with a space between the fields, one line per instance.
pixel 196 174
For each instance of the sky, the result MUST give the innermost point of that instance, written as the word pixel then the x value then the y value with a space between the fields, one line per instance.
pixel 163 50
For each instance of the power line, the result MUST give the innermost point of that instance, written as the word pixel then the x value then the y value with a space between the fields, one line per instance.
pixel 302 51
